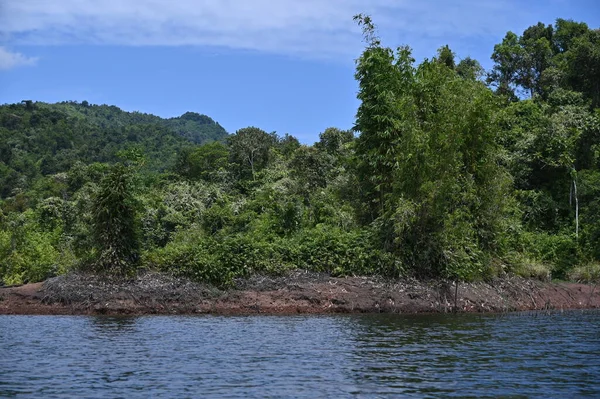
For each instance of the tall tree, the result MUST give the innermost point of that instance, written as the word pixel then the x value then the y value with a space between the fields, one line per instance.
pixel 535 57
pixel 507 59
pixel 310 168
pixel 332 140
pixel 383 75
pixel 583 65
pixel 115 223
pixel 205 162
pixel 566 32
pixel 250 148
pixel 544 58
pixel 428 141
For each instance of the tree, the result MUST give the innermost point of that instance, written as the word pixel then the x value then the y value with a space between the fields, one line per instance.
pixel 250 149
pixel 333 140
pixel 452 200
pixel 445 56
pixel 204 162
pixel 310 169
pixel 583 65
pixel 287 145
pixel 28 104
pixel 544 58
pixel 383 114
pixel 469 68
pixel 115 223
pixel 536 57
pixel 519 62
pixel 566 32
pixel 427 137
pixel 506 57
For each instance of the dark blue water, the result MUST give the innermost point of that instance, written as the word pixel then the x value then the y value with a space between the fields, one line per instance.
pixel 516 355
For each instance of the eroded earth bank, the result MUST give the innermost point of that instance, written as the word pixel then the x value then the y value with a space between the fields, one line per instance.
pixel 296 292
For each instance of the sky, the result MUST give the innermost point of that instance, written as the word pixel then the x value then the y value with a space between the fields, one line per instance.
pixel 280 65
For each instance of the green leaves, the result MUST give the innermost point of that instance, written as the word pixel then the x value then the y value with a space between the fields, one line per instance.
pixel 386 112
pixel 115 223
pixel 427 188
pixel 250 150
pixel 29 253
pixel 428 149
pixel 208 162
pixel 544 58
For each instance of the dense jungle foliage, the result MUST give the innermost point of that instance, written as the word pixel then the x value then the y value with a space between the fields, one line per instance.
pixel 449 172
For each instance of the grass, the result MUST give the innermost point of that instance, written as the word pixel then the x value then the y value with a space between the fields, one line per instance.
pixel 588 273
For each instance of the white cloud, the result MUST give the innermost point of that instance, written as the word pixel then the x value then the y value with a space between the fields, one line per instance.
pixel 9 59
pixel 314 27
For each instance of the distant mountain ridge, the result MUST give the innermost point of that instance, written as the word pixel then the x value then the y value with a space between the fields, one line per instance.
pixel 38 139
pixel 195 127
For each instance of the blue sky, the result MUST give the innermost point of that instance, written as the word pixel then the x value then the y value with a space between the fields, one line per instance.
pixel 281 65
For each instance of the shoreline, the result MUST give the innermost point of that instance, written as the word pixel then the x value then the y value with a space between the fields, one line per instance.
pixel 298 292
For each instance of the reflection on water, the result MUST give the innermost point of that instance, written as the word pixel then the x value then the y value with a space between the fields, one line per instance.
pixel 517 355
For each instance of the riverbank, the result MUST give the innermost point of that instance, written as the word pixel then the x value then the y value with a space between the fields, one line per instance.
pixel 297 292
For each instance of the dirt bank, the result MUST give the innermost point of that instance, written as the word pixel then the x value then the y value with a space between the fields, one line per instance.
pixel 297 292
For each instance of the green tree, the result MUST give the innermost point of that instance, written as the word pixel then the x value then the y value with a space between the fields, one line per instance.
pixel 250 149
pixel 383 114
pixel 536 57
pixel 310 169
pixel 287 145
pixel 507 58
pixel 469 68
pixel 583 65
pixel 207 162
pixel 567 31
pixel 547 57
pixel 114 228
pixel 448 206
pixel 333 140
pixel 519 62
pixel 445 56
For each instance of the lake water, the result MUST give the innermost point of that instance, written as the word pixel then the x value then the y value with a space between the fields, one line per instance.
pixel 514 355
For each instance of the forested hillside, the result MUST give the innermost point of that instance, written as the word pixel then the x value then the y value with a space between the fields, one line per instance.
pixel 38 139
pixel 450 172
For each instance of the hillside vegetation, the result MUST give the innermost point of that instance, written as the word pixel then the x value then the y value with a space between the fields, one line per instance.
pixel 450 172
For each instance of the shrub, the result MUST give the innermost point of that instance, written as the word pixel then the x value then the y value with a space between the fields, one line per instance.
pixel 533 269
pixel 218 260
pixel 587 273
pixel 329 249
pixel 32 259
pixel 190 257
pixel 558 251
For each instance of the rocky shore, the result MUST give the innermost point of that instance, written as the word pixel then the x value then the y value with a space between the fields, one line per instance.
pixel 297 292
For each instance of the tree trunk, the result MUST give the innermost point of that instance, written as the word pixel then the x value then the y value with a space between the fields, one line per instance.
pixel 576 210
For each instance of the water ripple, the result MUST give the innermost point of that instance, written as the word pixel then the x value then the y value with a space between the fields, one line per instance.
pixel 517 355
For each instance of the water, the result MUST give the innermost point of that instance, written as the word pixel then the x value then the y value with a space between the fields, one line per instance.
pixel 516 355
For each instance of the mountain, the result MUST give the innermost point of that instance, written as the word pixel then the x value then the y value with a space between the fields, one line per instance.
pixel 38 139
pixel 195 127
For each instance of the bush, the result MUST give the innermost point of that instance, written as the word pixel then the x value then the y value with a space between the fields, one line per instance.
pixel 558 251
pixel 30 260
pixel 587 273
pixel 218 260
pixel 329 249
pixel 189 255
pixel 533 269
